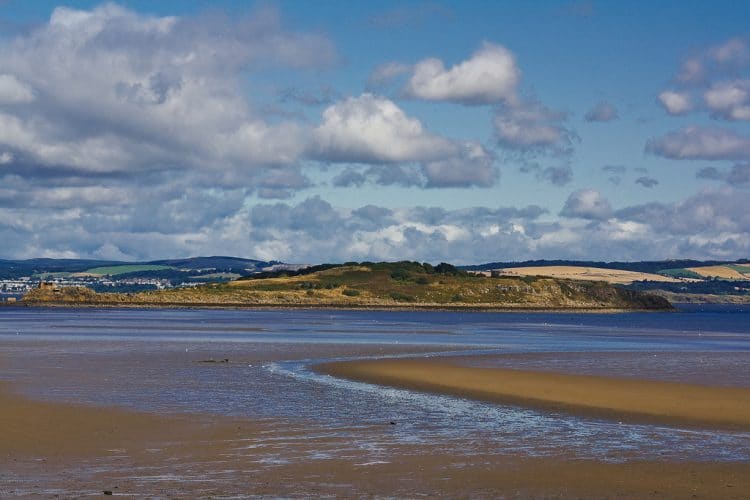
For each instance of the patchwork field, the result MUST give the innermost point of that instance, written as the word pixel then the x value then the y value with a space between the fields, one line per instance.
pixel 727 272
pixel 115 270
pixel 614 276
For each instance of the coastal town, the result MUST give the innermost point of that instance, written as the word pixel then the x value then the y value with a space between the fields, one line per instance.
pixel 17 278
pixel 12 290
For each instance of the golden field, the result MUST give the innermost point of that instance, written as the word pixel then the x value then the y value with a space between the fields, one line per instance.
pixel 614 276
pixel 722 272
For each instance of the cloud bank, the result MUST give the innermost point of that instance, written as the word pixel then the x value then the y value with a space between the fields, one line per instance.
pixel 133 136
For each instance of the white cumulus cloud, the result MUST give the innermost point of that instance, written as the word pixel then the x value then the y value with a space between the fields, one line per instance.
pixel 120 91
pixel 532 127
pixel 714 74
pixel 489 76
pixel 373 129
pixel 724 57
pixel 473 166
pixel 587 204
pixel 730 100
pixel 701 143
pixel 675 103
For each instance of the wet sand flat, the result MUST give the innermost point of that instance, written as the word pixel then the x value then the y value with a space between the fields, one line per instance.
pixel 619 398
pixel 129 408
pixel 53 448
pixel 59 431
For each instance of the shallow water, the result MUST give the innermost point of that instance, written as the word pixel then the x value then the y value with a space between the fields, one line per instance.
pixel 153 360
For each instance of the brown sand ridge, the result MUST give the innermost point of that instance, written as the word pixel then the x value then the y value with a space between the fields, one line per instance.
pixel 57 449
pixel 620 398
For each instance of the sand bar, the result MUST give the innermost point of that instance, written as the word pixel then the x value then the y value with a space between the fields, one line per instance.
pixel 70 451
pixel 618 398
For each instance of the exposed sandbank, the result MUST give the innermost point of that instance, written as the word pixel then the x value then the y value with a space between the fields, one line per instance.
pixel 618 398
pixel 60 431
pixel 45 447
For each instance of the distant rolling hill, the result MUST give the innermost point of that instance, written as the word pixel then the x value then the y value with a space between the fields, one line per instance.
pixel 125 269
pixel 647 266
pixel 227 264
pixel 14 269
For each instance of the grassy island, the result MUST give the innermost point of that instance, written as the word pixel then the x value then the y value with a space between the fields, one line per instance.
pixel 395 285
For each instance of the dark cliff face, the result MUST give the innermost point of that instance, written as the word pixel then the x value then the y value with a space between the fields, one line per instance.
pixel 647 301
pixel 628 299
pixel 604 295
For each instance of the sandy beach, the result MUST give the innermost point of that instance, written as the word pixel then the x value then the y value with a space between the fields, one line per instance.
pixel 46 446
pixel 618 398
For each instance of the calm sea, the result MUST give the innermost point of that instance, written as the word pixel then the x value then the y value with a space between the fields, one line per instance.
pixel 154 360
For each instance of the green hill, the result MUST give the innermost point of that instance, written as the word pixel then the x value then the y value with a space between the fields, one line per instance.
pixel 126 269
pixel 194 266
pixel 379 285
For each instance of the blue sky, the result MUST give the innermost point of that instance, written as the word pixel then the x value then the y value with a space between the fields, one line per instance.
pixel 324 131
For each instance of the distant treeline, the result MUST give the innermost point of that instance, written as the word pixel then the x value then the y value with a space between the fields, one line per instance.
pixel 642 267
pixel 397 269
